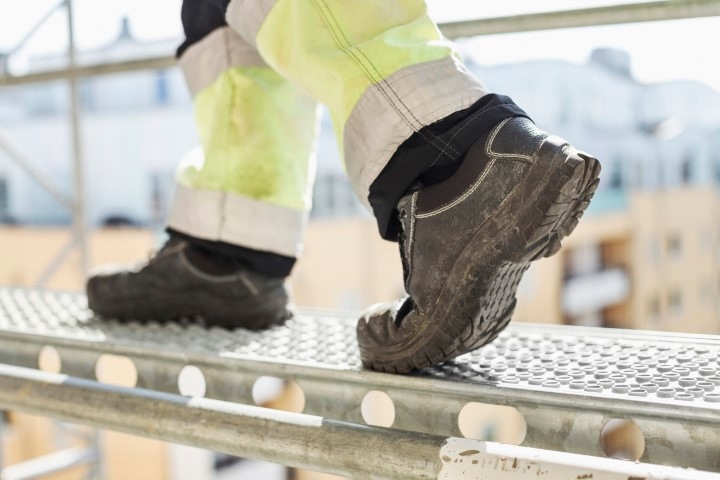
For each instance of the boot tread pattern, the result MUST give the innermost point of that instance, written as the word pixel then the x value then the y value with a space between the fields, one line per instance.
pixel 539 231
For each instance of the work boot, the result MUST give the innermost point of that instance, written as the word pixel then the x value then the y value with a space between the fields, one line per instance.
pixel 184 281
pixel 466 242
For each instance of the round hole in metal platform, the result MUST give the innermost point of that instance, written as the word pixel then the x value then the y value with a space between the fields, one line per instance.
pixel 49 360
pixel 191 382
pixel 377 409
pixel 116 370
pixel 622 439
pixel 497 423
pixel 278 393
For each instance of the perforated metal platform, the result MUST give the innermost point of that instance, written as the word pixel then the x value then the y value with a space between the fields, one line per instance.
pixel 566 381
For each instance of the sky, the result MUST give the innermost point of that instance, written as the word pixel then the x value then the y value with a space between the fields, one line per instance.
pixel 660 51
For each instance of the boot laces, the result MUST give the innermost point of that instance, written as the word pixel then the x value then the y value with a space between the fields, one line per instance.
pixel 402 236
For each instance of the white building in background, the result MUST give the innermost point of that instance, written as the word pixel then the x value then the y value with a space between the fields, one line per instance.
pixel 648 136
pixel 137 126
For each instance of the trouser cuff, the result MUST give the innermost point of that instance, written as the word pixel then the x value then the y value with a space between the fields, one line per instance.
pixel 418 162
pixel 266 263
pixel 237 220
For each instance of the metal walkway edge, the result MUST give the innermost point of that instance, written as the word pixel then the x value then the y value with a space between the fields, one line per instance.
pixel 568 382
pixel 305 441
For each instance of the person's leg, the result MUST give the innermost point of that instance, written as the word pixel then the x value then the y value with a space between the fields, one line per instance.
pixel 463 179
pixel 241 200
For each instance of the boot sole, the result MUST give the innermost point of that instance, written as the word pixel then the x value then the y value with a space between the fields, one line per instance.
pixel 494 261
pixel 181 305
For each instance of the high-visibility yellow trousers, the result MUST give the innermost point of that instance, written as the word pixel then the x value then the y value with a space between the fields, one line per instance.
pixel 381 67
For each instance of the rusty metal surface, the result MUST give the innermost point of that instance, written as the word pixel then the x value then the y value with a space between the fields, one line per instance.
pixel 567 382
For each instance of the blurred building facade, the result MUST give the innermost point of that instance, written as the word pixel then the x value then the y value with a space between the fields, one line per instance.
pixel 646 254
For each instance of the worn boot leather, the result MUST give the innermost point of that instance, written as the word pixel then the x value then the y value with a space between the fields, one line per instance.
pixel 466 242
pixel 169 286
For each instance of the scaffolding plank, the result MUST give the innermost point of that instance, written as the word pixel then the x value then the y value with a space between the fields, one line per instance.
pixel 568 382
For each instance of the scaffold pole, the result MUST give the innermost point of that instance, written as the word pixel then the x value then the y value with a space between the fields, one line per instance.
pixel 303 441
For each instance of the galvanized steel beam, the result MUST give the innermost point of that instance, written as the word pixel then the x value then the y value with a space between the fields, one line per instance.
pixel 586 17
pixel 77 154
pixel 303 441
pixel 566 382
pixel 152 63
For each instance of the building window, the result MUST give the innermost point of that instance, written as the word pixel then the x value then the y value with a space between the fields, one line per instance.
pixel 160 186
pixel 86 94
pixel 707 293
pixel 686 173
pixel 654 251
pixel 660 175
pixel 675 303
pixel 616 176
pixel 162 91
pixel 639 168
pixel 583 260
pixel 705 240
pixel 4 199
pixel 333 196
pixel 654 308
pixel 674 245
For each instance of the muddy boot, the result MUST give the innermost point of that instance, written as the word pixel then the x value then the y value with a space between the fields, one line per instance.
pixel 467 241
pixel 184 281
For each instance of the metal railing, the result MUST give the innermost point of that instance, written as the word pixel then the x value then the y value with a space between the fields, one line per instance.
pixel 76 204
pixel 90 454
pixel 586 17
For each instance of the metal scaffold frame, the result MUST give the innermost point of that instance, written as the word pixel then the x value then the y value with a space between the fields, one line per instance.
pixel 76 204
pixel 89 455
pixel 304 441
pixel 678 427
pixel 567 383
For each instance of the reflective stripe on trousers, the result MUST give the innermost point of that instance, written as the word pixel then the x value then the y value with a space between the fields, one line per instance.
pixel 382 68
pixel 250 184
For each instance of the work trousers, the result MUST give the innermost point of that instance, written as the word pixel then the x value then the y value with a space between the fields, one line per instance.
pixel 404 107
